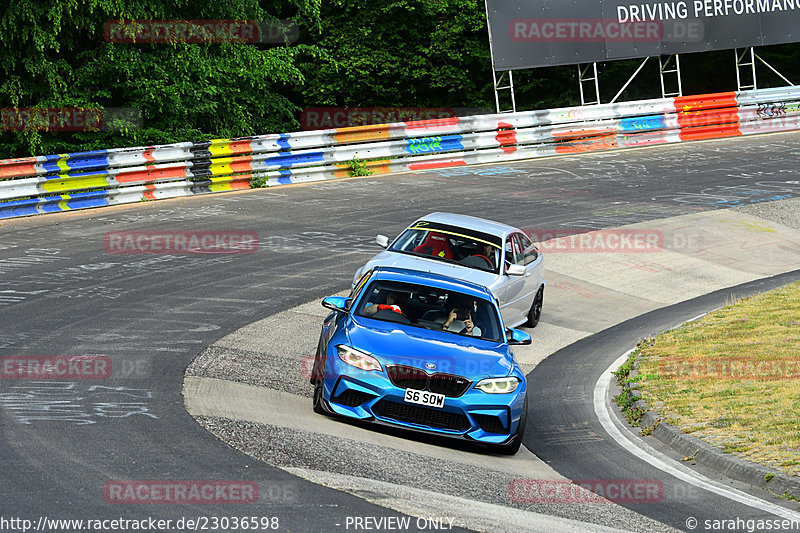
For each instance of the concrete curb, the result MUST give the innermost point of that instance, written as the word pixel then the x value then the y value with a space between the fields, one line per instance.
pixel 701 452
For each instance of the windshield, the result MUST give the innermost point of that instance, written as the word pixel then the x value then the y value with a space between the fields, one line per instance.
pixel 431 308
pixel 472 249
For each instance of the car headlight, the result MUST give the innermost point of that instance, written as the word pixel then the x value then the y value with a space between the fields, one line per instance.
pixel 357 358
pixel 498 385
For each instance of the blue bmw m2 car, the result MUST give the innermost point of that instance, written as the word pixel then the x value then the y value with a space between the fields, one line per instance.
pixel 423 352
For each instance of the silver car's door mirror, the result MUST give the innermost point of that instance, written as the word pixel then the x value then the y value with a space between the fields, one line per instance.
pixel 382 240
pixel 515 270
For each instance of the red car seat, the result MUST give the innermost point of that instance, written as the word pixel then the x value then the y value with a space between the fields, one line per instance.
pixel 436 244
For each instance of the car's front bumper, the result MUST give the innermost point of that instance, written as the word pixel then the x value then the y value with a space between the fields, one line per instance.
pixel 475 415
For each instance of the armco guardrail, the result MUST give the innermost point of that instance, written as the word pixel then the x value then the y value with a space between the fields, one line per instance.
pixel 46 184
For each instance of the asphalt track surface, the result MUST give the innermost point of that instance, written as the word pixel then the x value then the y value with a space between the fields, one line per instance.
pixel 565 432
pixel 63 293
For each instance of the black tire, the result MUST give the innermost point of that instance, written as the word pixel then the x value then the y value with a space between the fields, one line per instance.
pixel 315 369
pixel 535 312
pixel 317 400
pixel 514 446
pixel 317 376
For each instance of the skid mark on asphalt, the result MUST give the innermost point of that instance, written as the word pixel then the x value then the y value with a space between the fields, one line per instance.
pixel 568 435
pixel 37 402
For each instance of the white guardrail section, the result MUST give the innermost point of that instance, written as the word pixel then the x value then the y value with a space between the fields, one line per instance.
pixel 45 184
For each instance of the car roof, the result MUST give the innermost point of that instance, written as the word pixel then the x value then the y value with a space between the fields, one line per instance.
pixel 439 281
pixel 470 222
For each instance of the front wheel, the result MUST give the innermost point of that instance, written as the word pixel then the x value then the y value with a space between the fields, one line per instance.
pixel 535 312
pixel 317 378
pixel 317 400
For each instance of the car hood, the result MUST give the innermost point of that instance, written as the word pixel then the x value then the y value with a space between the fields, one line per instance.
pixel 412 262
pixel 401 344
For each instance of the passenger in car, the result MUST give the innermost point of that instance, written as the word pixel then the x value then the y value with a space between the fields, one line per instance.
pixel 393 302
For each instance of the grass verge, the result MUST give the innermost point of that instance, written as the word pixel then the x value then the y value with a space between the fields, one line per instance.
pixel 733 378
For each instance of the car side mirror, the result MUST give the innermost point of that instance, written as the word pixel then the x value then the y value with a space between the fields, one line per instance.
pixel 518 337
pixel 515 270
pixel 337 303
pixel 382 240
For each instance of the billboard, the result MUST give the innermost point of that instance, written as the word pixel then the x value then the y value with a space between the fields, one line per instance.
pixel 542 33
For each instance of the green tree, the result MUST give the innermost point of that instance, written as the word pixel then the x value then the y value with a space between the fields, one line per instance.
pixel 54 54
pixel 354 53
pixel 400 53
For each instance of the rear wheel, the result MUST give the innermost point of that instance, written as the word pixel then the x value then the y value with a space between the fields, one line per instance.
pixel 535 312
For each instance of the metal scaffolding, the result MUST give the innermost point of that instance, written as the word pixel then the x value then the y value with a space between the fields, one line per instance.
pixel 498 87
pixel 668 67
pixel 746 78
pixel 746 69
pixel 664 68
pixel 584 77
